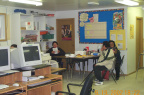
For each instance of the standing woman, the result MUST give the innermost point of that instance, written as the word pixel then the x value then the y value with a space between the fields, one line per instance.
pixel 118 58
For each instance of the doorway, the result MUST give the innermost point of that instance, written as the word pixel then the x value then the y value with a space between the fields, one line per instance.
pixel 139 40
pixel 66 35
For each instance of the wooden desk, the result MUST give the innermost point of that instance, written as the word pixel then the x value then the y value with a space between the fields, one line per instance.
pixel 44 89
pixel 54 70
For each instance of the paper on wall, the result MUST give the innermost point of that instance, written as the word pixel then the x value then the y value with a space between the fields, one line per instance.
pixel 120 45
pixel 95 17
pixel 120 37
pixel 113 37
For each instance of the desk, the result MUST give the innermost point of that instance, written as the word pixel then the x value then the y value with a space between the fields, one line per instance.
pixel 55 70
pixel 71 60
pixel 44 89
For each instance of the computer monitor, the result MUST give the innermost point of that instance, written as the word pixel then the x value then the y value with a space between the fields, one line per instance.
pixel 26 55
pixel 4 58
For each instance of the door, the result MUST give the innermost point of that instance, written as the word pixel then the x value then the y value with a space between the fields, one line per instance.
pixel 139 40
pixel 66 34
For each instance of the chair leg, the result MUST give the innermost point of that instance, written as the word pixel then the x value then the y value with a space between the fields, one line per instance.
pixel 112 74
pixel 122 73
pixel 87 65
pixel 79 67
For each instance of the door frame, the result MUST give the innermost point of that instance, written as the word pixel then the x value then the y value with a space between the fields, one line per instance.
pixel 73 28
pixel 141 41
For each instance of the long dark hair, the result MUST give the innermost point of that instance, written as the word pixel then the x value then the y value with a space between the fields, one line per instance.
pixel 113 42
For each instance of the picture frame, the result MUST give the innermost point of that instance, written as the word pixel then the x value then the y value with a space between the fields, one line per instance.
pixel 3 33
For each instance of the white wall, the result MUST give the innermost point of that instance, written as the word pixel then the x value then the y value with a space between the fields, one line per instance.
pixel 132 13
pixel 78 46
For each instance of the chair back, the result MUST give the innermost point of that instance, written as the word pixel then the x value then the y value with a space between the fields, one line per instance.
pixel 87 87
pixel 122 60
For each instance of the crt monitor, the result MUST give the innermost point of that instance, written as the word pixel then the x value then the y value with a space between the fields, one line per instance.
pixel 26 55
pixel 4 58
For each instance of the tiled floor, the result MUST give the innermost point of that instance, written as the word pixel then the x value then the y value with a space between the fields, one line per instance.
pixel 128 86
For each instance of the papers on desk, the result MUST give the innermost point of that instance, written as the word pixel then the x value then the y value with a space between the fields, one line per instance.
pixel 24 78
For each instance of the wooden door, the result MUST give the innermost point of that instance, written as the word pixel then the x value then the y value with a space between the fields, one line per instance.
pixel 66 41
pixel 139 40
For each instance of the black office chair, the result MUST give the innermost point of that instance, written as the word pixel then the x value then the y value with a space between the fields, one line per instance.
pixel 121 65
pixel 86 88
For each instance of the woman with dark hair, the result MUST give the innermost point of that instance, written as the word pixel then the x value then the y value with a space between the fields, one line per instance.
pixel 13 46
pixel 118 58
pixel 105 62
pixel 56 51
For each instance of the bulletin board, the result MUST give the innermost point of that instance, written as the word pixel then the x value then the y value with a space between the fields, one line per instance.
pixel 94 26
pixel 119 37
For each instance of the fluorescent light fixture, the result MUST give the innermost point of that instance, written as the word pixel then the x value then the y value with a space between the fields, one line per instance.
pixel 127 2
pixel 93 3
pixel 27 2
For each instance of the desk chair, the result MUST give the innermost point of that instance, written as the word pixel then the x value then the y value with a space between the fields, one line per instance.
pixel 86 88
pixel 121 65
pixel 111 74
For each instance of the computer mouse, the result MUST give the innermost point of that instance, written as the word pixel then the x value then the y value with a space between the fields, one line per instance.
pixel 15 84
pixel 41 77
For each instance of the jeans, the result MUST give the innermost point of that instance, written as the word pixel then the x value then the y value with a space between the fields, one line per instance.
pixel 97 72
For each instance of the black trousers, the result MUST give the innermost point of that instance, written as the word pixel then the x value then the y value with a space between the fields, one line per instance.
pixel 117 69
pixel 59 60
pixel 97 72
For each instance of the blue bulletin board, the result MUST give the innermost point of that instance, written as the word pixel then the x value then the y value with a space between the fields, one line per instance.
pixel 99 22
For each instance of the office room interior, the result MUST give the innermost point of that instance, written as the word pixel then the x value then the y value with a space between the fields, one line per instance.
pixel 53 11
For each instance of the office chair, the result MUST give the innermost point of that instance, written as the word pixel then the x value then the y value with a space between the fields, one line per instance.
pixel 121 65
pixel 86 88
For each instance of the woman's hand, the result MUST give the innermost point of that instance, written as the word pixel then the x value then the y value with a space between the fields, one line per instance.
pixel 53 52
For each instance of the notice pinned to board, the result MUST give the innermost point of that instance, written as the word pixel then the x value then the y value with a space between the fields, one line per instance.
pixel 113 37
pixel 119 37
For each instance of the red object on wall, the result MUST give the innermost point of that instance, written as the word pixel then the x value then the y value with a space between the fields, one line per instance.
pixel 87 48
pixel 50 14
pixel 43 32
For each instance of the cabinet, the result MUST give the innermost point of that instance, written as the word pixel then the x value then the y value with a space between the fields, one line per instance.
pixel 41 89
pixel 27 28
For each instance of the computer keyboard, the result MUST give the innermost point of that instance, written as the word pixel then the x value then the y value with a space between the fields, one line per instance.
pixel 3 86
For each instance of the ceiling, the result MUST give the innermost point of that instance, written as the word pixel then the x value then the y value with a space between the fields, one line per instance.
pixel 61 5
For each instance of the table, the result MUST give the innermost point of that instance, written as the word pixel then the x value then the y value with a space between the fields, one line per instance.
pixel 71 60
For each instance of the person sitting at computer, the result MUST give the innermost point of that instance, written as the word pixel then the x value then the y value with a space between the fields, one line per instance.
pixel 56 51
pixel 13 46
pixel 105 62
pixel 118 58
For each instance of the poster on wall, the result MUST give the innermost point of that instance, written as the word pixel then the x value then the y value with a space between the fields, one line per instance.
pixel 131 31
pixel 66 32
pixel 117 20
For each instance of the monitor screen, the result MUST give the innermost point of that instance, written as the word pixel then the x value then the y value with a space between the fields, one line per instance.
pixel 31 53
pixel 4 57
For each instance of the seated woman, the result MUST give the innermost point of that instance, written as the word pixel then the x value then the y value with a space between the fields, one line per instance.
pixel 105 62
pixel 118 58
pixel 56 51
pixel 13 46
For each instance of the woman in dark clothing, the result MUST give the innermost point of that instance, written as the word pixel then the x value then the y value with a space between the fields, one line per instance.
pixel 118 58
pixel 56 51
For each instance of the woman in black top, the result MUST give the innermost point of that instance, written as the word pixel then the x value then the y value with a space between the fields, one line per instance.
pixel 56 51
pixel 118 58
